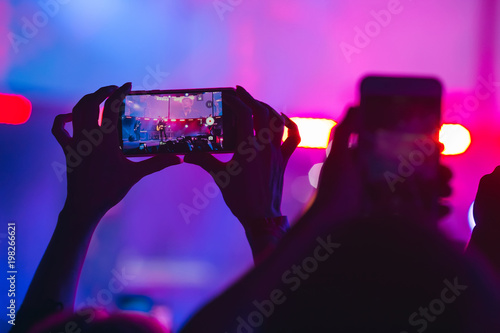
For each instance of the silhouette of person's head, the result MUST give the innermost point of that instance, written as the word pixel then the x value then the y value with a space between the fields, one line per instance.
pixel 187 104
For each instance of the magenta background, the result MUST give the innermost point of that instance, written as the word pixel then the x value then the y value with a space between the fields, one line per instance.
pixel 286 53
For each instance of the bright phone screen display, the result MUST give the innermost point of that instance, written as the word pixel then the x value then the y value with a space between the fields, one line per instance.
pixel 172 123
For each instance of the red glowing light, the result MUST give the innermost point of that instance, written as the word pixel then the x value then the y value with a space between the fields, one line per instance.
pixel 14 109
pixel 315 133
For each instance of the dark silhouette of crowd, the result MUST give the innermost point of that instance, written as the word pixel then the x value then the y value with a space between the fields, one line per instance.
pixel 343 267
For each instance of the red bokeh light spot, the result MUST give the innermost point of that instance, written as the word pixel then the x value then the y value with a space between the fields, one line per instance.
pixel 14 109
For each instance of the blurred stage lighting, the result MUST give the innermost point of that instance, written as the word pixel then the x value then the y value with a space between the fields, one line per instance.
pixel 14 110
pixel 314 132
pixel 470 216
pixel 134 303
pixel 455 138
pixel 301 189
pixel 314 174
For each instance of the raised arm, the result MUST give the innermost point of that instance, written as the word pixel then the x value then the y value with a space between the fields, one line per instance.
pixel 270 281
pixel 98 177
pixel 252 181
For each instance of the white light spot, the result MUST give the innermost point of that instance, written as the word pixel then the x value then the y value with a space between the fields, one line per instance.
pixel 329 148
pixel 472 223
pixel 314 174
pixel 301 189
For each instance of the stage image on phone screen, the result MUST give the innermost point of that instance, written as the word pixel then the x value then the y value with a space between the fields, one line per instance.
pixel 172 123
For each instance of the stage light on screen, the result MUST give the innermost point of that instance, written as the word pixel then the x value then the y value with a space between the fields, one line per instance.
pixel 314 132
pixel 14 109
pixel 455 138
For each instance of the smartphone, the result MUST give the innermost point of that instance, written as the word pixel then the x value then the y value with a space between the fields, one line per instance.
pixel 177 121
pixel 399 136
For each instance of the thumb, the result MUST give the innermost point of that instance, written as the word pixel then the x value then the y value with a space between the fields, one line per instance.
pixel 204 160
pixel 156 163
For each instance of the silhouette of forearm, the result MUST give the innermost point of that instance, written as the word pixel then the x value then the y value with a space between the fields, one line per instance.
pixel 56 278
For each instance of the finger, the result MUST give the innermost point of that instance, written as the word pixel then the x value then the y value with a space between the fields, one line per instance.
pixel 443 210
pixel 444 177
pixel 259 111
pixel 276 125
pixel 156 163
pixel 340 152
pixel 209 163
pixel 343 130
pixel 486 183
pixel 444 173
pixel 111 110
pixel 244 122
pixel 293 139
pixel 445 191
pixel 62 136
pixel 489 184
pixel 86 111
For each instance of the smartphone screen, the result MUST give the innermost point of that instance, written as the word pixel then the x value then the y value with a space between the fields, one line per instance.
pixel 176 121
pixel 399 138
